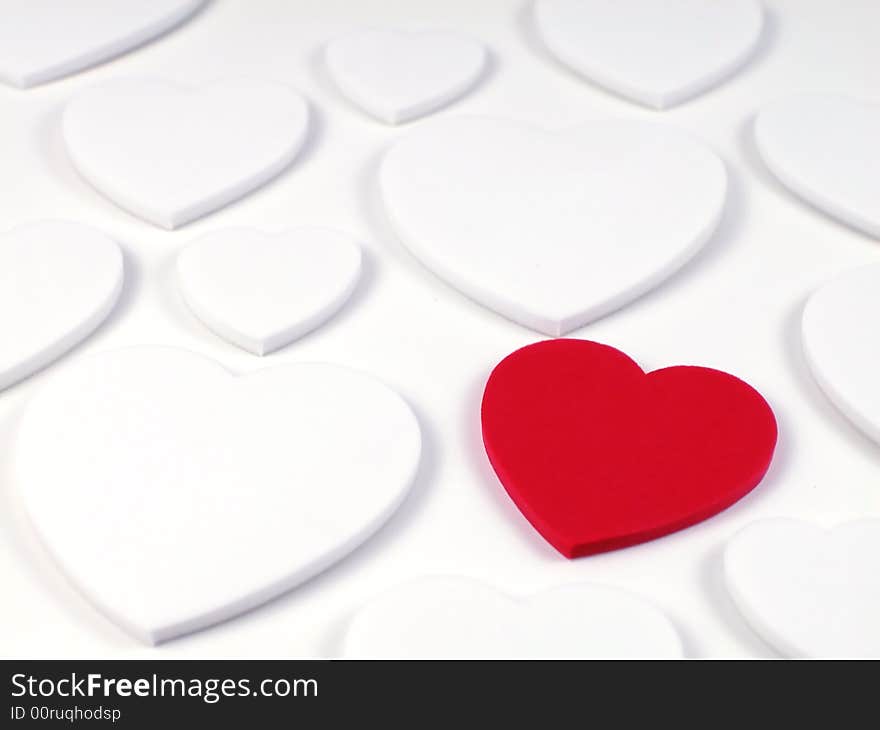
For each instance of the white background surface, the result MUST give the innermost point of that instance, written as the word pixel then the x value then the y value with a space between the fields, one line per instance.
pixel 736 306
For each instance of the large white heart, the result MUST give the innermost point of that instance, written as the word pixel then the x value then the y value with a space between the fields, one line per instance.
pixel 262 291
pixel 656 53
pixel 170 155
pixel 398 76
pixel 809 592
pixel 41 40
pixel 826 149
pixel 552 230
pixel 841 343
pixel 58 282
pixel 457 618
pixel 175 496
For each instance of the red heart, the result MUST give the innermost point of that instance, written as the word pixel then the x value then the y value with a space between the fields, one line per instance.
pixel 599 455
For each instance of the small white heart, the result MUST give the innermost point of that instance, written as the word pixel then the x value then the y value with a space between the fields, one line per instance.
pixel 826 149
pixel 41 40
pixel 170 155
pixel 175 496
pixel 809 592
pixel 552 230
pixel 655 53
pixel 261 291
pixel 58 282
pixel 458 618
pixel 841 343
pixel 397 76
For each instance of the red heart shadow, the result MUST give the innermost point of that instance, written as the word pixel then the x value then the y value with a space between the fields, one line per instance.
pixel 599 455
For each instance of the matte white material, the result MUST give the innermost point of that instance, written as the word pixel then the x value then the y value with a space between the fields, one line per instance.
pixel 458 618
pixel 737 307
pixel 397 76
pixel 41 40
pixel 809 592
pixel 175 496
pixel 170 155
pixel 262 291
pixel 841 342
pixel 826 149
pixel 58 282
pixel 552 230
pixel 656 53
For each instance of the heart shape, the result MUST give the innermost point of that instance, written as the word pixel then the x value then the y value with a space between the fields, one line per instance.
pixel 599 455
pixel 177 496
pixel 170 155
pixel 806 591
pixel 826 150
pixel 657 54
pixel 541 227
pixel 842 344
pixel 260 291
pixel 457 618
pixel 58 283
pixel 42 40
pixel 398 76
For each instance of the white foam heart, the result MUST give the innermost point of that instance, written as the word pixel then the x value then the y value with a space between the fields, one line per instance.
pixel 398 76
pixel 552 230
pixel 170 155
pixel 841 343
pixel 261 291
pixel 809 592
pixel 174 495
pixel 826 149
pixel 41 40
pixel 457 618
pixel 58 282
pixel 656 53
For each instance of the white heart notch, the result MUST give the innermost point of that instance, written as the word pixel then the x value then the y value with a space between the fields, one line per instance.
pixel 397 76
pixel 826 149
pixel 552 230
pixel 170 155
pixel 261 292
pixel 174 495
pixel 58 282
pixel 809 592
pixel 841 344
pixel 42 40
pixel 458 618
pixel 655 53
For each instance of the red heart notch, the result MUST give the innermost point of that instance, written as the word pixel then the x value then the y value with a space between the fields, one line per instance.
pixel 599 455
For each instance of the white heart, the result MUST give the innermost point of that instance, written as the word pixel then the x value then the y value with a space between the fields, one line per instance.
pixel 171 155
pixel 175 496
pixel 809 592
pixel 826 149
pixel 552 230
pixel 58 282
pixel 457 618
pixel 41 40
pixel 261 291
pixel 399 76
pixel 655 53
pixel 841 343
